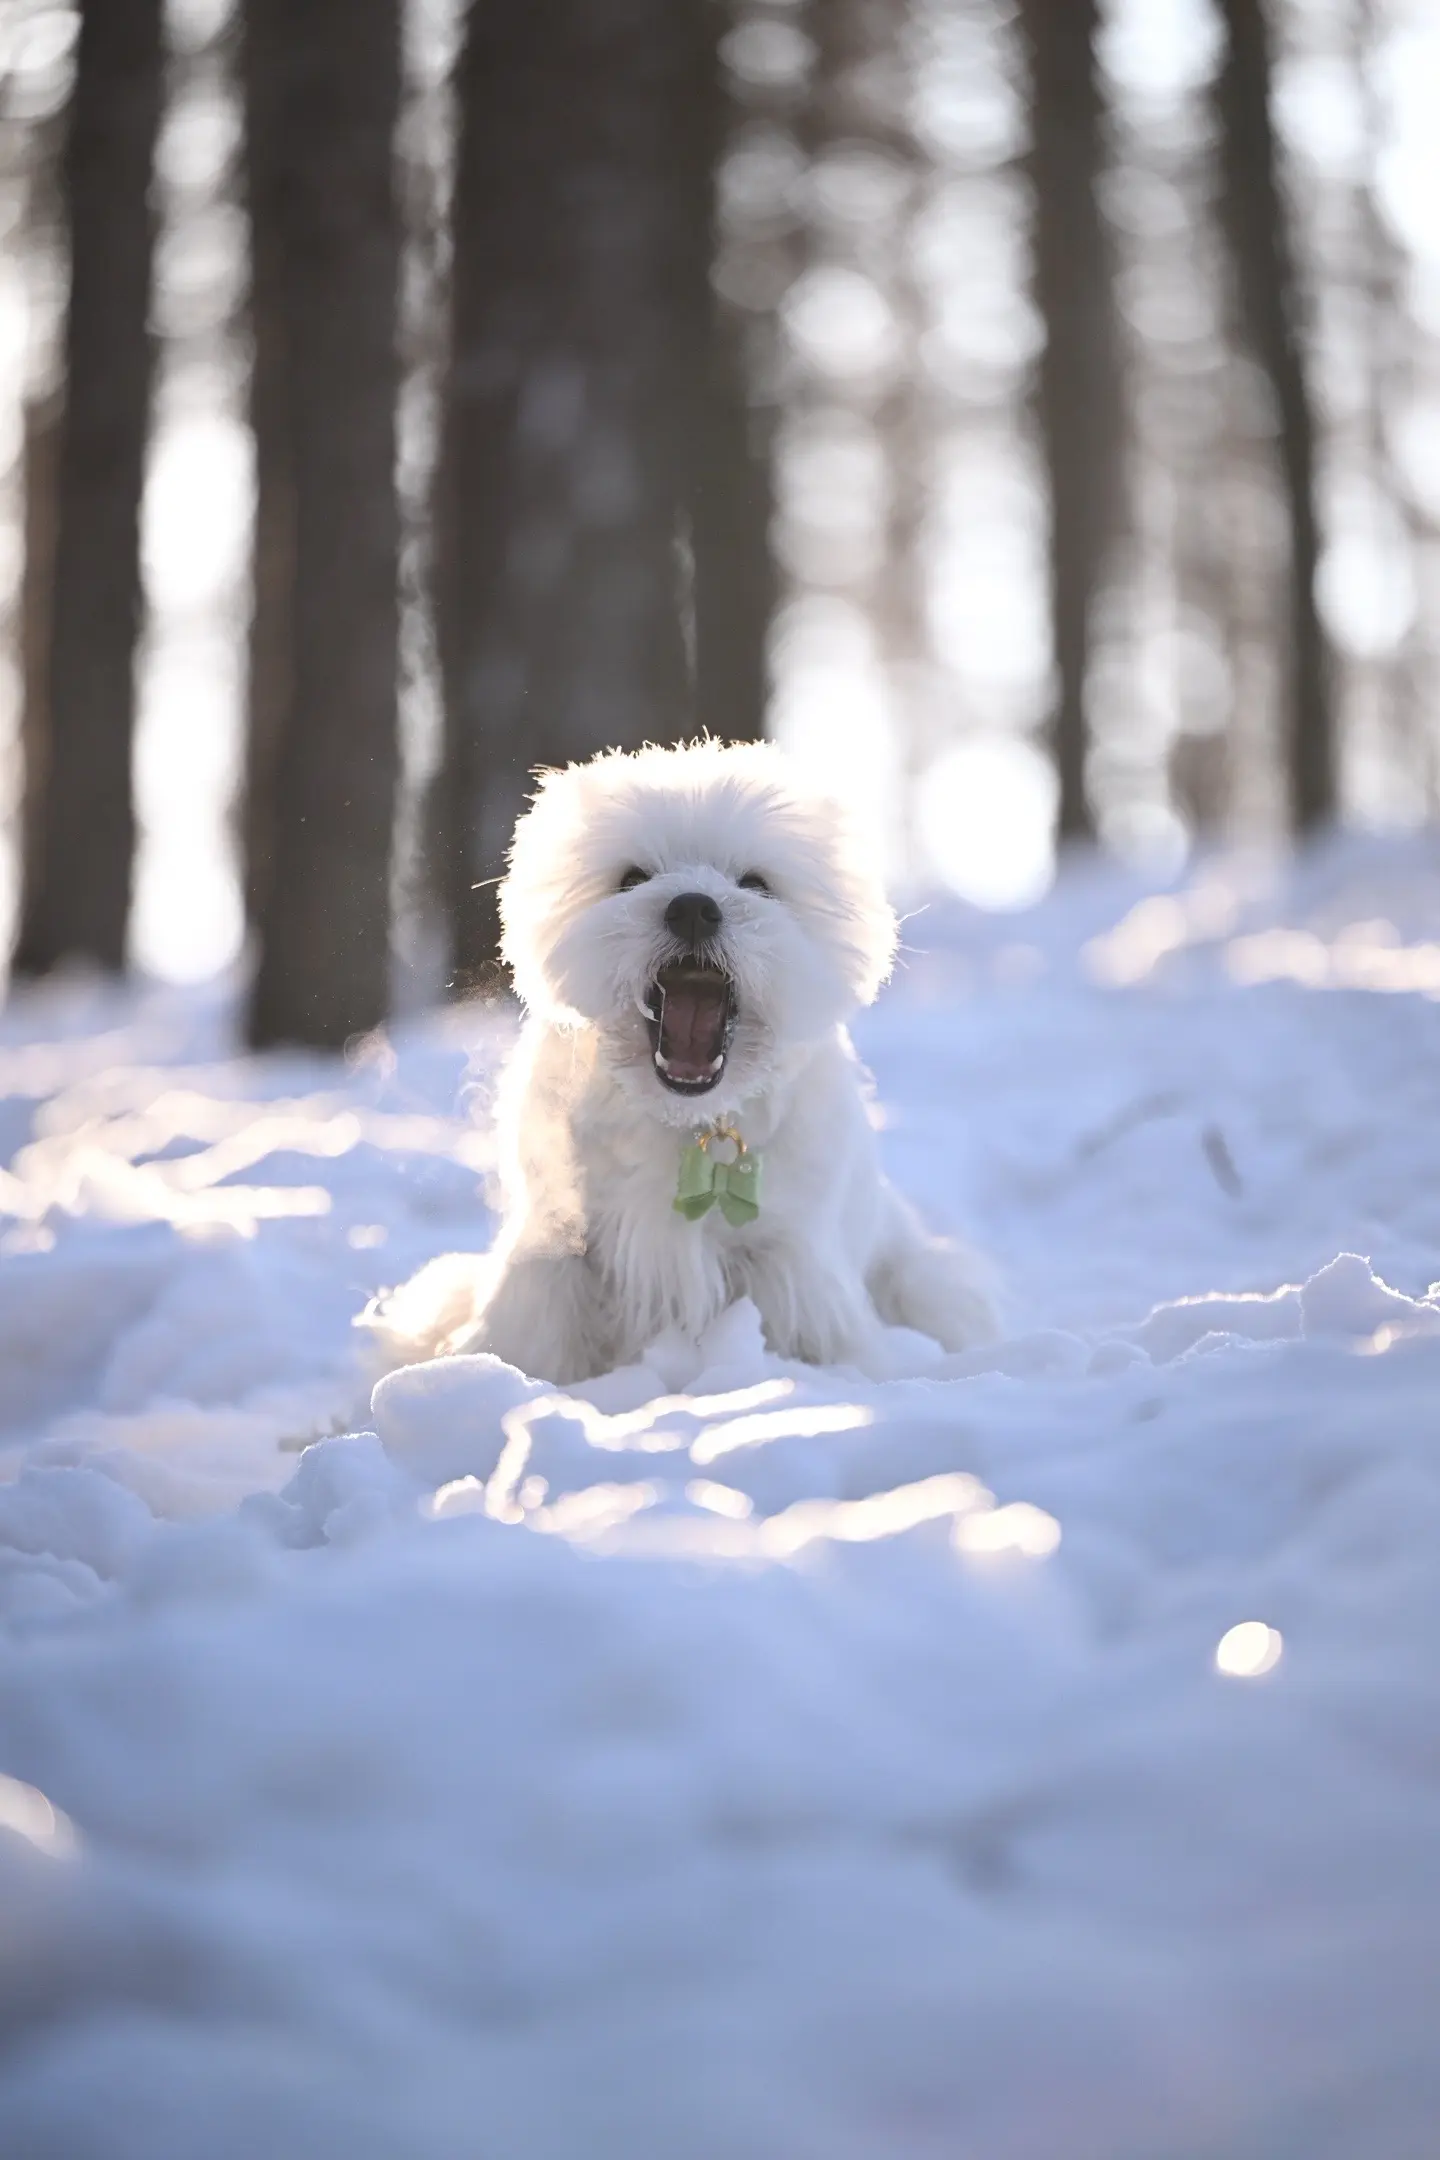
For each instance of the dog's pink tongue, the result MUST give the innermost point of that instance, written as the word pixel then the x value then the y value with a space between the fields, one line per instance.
pixel 692 1024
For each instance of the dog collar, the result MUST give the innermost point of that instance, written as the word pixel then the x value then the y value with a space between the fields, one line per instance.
pixel 705 1179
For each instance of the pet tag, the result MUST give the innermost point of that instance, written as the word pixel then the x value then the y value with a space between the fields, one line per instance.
pixel 704 1180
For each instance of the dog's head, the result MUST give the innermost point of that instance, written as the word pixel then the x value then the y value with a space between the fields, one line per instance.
pixel 701 910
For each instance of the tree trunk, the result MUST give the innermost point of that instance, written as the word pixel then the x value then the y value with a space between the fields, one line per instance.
pixel 40 477
pixel 729 477
pixel 1256 223
pixel 570 444
pixel 869 55
pixel 1077 388
pixel 272 629
pixel 81 821
pixel 322 93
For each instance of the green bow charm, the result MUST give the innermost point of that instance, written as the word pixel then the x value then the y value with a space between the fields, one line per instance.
pixel 703 1180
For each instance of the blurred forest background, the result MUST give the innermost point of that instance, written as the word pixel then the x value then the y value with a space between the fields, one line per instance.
pixel 1030 413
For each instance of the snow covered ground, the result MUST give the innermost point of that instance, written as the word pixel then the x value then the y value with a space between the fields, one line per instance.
pixel 732 1761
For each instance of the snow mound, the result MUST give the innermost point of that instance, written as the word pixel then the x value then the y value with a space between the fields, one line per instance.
pixel 1027 1753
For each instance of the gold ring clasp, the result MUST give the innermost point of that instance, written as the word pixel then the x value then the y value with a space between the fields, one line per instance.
pixel 721 1131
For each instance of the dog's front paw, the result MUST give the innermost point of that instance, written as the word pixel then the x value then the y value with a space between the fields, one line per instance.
pixel 546 1316
pixel 938 1290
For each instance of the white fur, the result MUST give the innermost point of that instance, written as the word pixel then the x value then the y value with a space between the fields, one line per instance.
pixel 592 1262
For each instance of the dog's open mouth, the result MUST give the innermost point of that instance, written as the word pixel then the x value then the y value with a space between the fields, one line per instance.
pixel 690 1013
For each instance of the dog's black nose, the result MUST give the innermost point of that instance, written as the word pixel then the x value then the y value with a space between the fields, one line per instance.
pixel 693 916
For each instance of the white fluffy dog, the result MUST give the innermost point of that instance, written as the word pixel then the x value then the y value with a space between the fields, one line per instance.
pixel 683 1122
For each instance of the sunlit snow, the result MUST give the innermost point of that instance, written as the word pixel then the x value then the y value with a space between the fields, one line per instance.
pixel 1027 1755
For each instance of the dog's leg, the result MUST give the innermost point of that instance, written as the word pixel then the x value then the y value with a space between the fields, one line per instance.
pixel 923 1283
pixel 547 1315
pixel 810 1310
pixel 428 1315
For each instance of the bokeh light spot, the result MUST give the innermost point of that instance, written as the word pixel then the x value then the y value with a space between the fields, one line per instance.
pixel 986 812
pixel 1248 1650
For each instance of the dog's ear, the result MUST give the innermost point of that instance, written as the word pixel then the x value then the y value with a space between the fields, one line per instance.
pixel 877 948
pixel 871 927
pixel 537 874
pixel 562 859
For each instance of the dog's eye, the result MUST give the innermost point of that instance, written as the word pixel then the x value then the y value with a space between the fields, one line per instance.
pixel 633 876
pixel 753 882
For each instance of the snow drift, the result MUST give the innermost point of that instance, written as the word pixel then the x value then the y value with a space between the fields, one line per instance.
pixel 729 1758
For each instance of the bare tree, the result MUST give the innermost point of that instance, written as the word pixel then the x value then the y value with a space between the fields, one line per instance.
pixel 860 97
pixel 272 568
pixel 594 425
pixel 40 456
pixel 41 234
pixel 729 434
pixel 1255 219
pixel 1078 397
pixel 80 814
pixel 322 94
